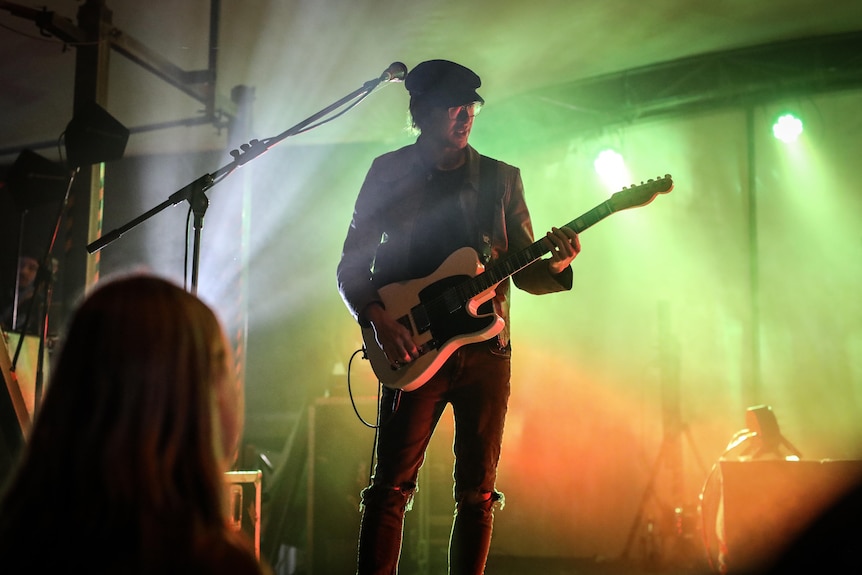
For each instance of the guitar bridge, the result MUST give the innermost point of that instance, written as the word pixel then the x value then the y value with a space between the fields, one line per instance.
pixel 429 345
pixel 426 347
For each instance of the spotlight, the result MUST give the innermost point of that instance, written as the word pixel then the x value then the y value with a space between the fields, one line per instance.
pixel 787 128
pixel 611 168
pixel 93 136
pixel 609 163
pixel 35 180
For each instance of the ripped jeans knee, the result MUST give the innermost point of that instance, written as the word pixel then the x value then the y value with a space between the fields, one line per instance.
pixel 484 501
pixel 398 497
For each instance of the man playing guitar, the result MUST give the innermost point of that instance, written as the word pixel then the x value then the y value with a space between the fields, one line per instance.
pixel 418 207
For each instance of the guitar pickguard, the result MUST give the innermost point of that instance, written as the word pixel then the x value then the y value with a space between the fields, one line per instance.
pixel 447 318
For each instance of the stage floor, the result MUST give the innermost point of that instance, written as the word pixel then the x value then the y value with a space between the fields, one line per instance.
pixel 503 565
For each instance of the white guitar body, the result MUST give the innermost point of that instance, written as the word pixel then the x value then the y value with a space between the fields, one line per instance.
pixel 439 339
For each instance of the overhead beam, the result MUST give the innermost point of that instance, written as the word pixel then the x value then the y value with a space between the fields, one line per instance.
pixel 748 76
pixel 737 78
pixel 198 84
pixel 47 21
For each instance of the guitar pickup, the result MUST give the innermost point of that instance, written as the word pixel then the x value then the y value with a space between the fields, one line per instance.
pixel 453 301
pixel 420 318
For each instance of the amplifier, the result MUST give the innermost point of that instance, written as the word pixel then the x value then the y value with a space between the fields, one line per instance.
pixel 766 505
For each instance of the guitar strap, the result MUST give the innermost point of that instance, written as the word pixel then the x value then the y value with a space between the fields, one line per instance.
pixel 489 176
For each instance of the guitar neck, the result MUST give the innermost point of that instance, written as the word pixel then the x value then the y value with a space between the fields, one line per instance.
pixel 514 263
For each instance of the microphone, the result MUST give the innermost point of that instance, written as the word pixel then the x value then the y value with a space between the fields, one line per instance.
pixel 394 73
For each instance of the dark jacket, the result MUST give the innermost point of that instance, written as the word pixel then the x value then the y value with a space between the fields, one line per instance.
pixel 377 247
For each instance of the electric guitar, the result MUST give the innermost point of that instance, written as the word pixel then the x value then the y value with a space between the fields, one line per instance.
pixel 441 310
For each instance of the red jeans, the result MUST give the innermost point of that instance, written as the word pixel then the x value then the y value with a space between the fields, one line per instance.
pixel 475 380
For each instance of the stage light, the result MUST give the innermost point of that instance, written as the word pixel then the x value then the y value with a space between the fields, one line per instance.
pixel 94 136
pixel 611 168
pixel 35 180
pixel 787 128
pixel 608 162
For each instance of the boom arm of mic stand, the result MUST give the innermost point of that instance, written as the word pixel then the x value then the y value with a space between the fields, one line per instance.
pixel 255 148
pixel 202 184
pixel 193 192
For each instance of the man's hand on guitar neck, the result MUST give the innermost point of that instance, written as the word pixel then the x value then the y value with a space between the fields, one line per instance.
pixel 565 247
pixel 393 338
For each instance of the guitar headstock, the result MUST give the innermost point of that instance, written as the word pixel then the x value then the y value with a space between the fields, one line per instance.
pixel 642 194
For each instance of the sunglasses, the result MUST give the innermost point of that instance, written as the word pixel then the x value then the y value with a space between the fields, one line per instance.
pixel 472 109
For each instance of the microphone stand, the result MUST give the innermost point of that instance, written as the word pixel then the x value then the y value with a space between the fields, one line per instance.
pixel 195 192
pixel 44 277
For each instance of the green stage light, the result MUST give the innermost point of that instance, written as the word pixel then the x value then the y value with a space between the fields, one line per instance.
pixel 787 128
pixel 611 169
pixel 609 163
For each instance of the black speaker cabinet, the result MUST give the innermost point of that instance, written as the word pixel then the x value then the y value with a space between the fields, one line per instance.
pixel 767 505
pixel 340 449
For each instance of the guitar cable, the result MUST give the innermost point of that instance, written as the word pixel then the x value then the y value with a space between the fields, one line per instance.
pixel 396 395
pixel 396 400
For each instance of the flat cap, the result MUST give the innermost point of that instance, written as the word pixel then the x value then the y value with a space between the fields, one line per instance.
pixel 443 83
